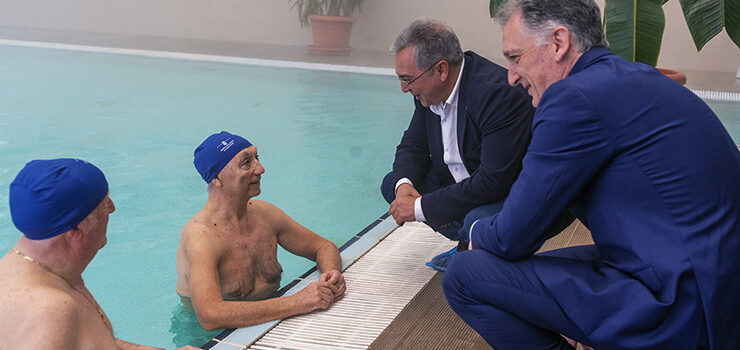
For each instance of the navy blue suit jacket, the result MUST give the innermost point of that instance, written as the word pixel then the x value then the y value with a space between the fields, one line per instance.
pixel 493 130
pixel 649 168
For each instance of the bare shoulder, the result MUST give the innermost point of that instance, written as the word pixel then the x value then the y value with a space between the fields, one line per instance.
pixel 261 206
pixel 266 209
pixel 56 304
pixel 196 238
pixel 24 290
pixel 42 310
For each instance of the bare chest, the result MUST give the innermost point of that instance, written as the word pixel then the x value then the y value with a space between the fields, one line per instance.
pixel 249 268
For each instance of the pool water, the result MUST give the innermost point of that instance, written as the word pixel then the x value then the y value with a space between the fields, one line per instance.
pixel 326 140
pixel 729 114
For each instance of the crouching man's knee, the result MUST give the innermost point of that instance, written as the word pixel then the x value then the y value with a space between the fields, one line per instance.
pixel 456 277
pixel 388 188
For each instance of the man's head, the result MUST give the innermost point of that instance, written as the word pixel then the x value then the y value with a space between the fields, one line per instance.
pixel 426 52
pixel 544 38
pixel 229 161
pixel 52 197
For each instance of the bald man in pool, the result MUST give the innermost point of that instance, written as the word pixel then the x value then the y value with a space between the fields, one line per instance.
pixel 61 206
pixel 227 259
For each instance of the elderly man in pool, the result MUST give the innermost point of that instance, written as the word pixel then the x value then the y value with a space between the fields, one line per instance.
pixel 227 259
pixel 62 208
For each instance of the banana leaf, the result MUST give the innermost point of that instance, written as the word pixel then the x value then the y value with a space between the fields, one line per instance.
pixel 493 7
pixel 634 29
pixel 706 18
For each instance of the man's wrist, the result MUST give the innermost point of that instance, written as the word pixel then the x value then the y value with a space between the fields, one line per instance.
pixel 402 181
pixel 418 212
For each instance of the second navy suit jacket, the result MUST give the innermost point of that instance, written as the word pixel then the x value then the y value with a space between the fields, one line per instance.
pixel 650 170
pixel 493 130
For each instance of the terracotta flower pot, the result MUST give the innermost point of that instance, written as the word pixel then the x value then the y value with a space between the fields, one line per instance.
pixel 675 75
pixel 330 35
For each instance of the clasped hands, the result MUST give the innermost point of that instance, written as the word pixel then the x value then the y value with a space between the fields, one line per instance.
pixel 402 208
pixel 319 295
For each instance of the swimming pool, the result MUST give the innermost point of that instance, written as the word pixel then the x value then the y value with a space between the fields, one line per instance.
pixel 326 140
pixel 729 114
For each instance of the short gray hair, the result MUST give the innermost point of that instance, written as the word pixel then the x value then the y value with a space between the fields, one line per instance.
pixel 433 41
pixel 581 17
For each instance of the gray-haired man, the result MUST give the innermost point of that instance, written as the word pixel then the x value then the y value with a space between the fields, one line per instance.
pixel 463 148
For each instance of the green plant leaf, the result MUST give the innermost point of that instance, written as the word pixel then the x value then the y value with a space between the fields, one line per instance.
pixel 634 29
pixel 493 7
pixel 732 20
pixel 706 18
pixel 324 7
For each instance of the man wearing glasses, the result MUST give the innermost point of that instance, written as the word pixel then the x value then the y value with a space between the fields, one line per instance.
pixel 463 149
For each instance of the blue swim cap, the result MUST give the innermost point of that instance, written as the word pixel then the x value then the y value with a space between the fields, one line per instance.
pixel 215 152
pixel 50 197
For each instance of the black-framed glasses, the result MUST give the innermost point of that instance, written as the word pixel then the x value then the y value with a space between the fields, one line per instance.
pixel 419 76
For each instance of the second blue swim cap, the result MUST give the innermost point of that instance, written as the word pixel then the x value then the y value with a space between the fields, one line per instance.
pixel 50 197
pixel 215 152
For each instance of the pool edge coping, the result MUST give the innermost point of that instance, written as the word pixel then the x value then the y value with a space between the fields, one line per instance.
pixel 365 240
pixel 203 57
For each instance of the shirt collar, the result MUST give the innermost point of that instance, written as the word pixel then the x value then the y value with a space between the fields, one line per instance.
pixel 452 99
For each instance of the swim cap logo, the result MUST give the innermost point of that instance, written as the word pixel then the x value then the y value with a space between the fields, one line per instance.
pixel 225 145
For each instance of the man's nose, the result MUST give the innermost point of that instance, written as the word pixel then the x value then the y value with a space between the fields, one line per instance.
pixel 111 206
pixel 513 76
pixel 260 169
pixel 404 88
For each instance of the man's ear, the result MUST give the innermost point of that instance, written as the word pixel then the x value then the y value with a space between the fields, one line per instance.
pixel 443 68
pixel 560 38
pixel 216 182
pixel 78 232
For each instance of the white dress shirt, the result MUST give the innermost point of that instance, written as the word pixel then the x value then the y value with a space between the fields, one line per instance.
pixel 447 112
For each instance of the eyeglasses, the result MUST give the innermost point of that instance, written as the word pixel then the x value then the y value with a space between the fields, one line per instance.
pixel 419 76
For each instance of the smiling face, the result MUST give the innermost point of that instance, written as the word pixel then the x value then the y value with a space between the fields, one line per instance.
pixel 531 63
pixel 243 173
pixel 423 83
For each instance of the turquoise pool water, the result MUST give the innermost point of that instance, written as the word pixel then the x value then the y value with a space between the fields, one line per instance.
pixel 729 113
pixel 326 140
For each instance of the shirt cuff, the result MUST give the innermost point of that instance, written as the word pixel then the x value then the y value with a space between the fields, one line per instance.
pixel 470 233
pixel 402 181
pixel 418 213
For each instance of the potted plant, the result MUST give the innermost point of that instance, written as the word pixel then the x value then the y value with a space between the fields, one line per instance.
pixel 330 22
pixel 634 29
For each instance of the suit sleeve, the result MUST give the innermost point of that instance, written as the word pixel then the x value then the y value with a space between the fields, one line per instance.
pixel 504 120
pixel 412 154
pixel 569 147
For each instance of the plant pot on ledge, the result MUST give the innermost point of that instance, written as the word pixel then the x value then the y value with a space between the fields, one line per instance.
pixel 330 35
pixel 675 75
